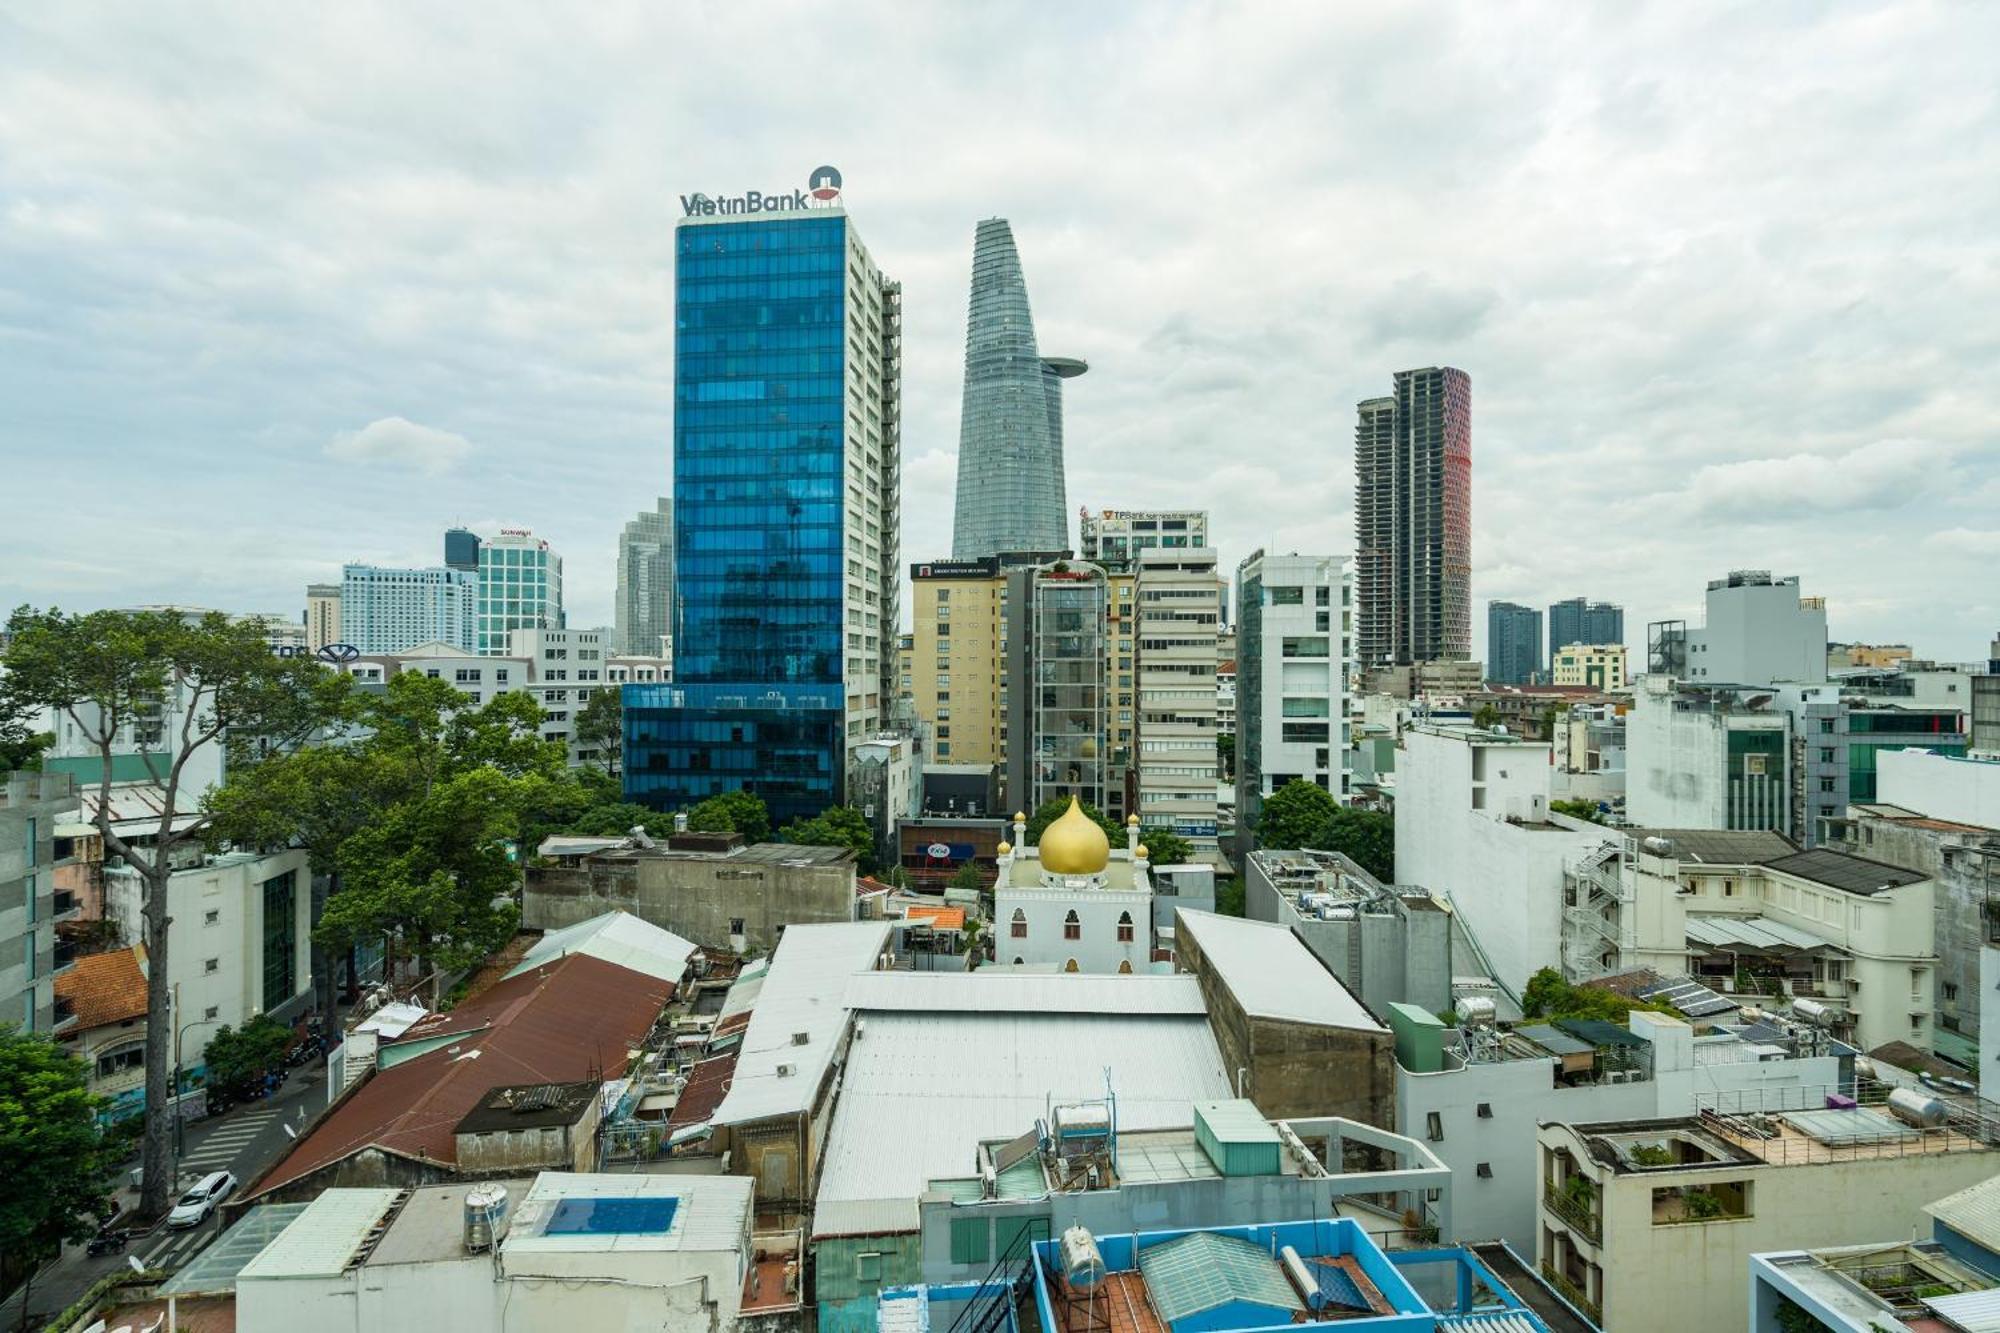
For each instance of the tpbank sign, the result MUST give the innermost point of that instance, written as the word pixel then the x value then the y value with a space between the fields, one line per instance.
pixel 822 190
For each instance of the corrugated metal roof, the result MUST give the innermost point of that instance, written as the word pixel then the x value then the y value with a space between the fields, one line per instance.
pixel 616 937
pixel 864 1217
pixel 571 1020
pixel 921 1091
pixel 998 990
pixel 1851 874
pixel 325 1238
pixel 1272 974
pixel 1495 1321
pixel 1973 1213
pixel 1973 1311
pixel 1752 932
pixel 1728 847
pixel 802 994
pixel 1202 1271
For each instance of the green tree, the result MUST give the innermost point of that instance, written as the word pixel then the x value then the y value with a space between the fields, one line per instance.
pixel 1365 837
pixel 1485 716
pixel 1229 896
pixel 840 826
pixel 236 1059
pixel 732 812
pixel 600 726
pixel 192 682
pixel 617 818
pixel 1578 809
pixel 55 1163
pixel 1294 816
pixel 434 873
pixel 969 878
pixel 1548 996
pixel 1225 753
pixel 315 798
pixel 21 749
pixel 1052 810
pixel 1164 847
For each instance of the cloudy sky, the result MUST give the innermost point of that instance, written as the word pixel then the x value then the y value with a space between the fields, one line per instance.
pixel 283 286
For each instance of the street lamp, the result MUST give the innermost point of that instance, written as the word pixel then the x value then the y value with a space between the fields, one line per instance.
pixel 174 1096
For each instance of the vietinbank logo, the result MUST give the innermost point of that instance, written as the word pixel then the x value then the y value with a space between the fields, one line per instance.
pixel 822 188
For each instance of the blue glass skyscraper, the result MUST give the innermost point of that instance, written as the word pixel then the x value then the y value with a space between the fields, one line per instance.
pixel 787 384
pixel 1010 424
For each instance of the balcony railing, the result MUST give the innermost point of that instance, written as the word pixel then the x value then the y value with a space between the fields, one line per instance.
pixel 1576 1214
pixel 1570 1292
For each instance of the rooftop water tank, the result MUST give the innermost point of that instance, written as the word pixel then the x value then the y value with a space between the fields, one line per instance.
pixel 1083 1265
pixel 1477 1011
pixel 1916 1108
pixel 485 1215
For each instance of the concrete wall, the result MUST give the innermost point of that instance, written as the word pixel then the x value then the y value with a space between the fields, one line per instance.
pixel 30 806
pixel 549 1147
pixel 1965 791
pixel 1989 1016
pixel 1505 879
pixel 1647 1268
pixel 1758 634
pixel 696 897
pixel 1297 1069
pixel 218 918
pixel 1097 948
pixel 1960 882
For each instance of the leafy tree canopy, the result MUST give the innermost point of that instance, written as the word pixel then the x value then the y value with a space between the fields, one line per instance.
pixel 600 726
pixel 1294 815
pixel 237 1058
pixel 1548 996
pixel 1365 837
pixel 1164 847
pixel 55 1163
pixel 840 826
pixel 1578 810
pixel 732 812
pixel 968 877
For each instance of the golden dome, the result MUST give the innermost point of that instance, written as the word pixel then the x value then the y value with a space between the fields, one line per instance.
pixel 1132 821
pixel 1088 749
pixel 1074 844
pixel 1141 852
pixel 1020 818
pixel 1005 848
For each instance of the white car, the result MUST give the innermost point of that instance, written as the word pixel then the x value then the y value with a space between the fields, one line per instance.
pixel 200 1201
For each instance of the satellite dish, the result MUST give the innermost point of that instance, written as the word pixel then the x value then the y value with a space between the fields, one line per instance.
pixel 133 1260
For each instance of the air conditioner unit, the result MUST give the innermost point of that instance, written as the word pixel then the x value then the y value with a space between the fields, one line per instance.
pixel 786 1071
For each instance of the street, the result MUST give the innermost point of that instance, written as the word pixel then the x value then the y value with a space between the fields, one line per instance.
pixel 244 1140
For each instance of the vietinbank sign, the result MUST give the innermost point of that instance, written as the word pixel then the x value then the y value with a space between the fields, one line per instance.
pixel 822 190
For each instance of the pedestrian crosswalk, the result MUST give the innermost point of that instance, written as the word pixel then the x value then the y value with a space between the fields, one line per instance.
pixel 221 1145
pixel 170 1249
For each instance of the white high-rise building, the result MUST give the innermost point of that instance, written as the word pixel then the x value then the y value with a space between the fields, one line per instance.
pixel 644 615
pixel 1180 613
pixel 1294 658
pixel 386 610
pixel 520 587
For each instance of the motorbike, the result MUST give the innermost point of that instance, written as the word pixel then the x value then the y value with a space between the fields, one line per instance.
pixel 106 1242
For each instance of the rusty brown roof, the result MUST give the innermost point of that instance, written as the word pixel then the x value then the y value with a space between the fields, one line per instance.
pixel 572 1020
pixel 104 988
pixel 707 1082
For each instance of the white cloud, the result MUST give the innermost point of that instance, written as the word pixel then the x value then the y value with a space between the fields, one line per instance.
pixel 1702 266
pixel 402 443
